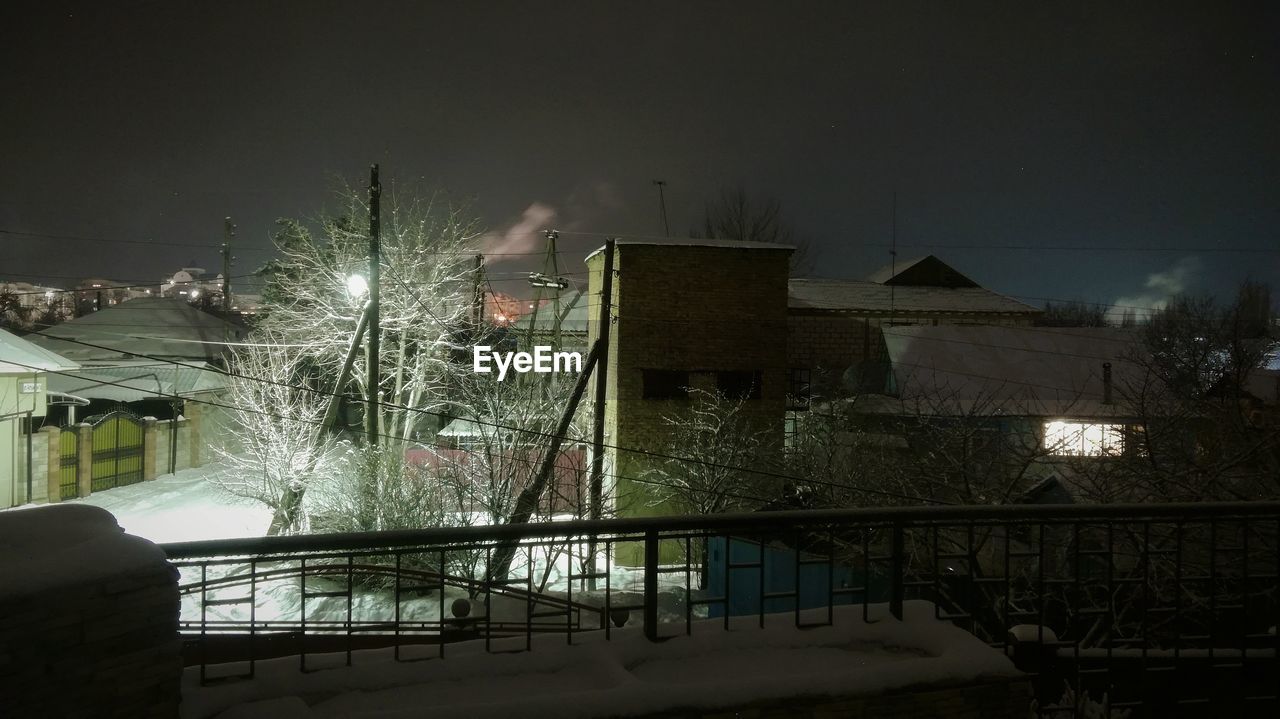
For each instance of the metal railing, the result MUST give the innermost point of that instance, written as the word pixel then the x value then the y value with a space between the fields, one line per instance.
pixel 1156 607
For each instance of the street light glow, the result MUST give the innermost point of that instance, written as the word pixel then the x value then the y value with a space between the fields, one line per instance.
pixel 357 285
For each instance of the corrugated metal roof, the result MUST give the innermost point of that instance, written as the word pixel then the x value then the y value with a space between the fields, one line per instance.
pixel 132 382
pixel 154 326
pixel 1036 371
pixel 865 296
pixel 21 356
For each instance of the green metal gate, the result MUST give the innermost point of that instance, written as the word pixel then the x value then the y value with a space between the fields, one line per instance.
pixel 69 464
pixel 117 450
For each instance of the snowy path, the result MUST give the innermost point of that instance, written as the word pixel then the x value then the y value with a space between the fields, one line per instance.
pixel 182 507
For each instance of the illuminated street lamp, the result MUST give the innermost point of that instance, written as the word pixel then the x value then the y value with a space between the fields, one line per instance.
pixel 357 285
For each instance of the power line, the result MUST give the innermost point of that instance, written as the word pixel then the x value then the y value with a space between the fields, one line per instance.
pixel 1217 249
pixel 527 462
pixel 526 431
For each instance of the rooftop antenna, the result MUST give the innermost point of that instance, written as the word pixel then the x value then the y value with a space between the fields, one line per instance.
pixel 662 205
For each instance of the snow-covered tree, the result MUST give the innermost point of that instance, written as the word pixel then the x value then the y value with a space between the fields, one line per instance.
pixel 313 304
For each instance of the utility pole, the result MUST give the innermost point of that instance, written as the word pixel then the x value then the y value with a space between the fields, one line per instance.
pixel 662 205
pixel 477 298
pixel 552 236
pixel 549 278
pixel 893 254
pixel 374 395
pixel 602 378
pixel 228 231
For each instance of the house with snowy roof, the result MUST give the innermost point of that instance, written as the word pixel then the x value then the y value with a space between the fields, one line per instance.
pixel 144 352
pixel 1047 402
pixel 24 398
pixel 833 326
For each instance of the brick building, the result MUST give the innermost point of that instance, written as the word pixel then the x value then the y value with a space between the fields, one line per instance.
pixel 711 315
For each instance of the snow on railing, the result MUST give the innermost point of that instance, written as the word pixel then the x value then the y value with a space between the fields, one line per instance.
pixel 1120 590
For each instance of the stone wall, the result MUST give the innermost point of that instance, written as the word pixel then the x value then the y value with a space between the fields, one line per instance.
pixel 88 618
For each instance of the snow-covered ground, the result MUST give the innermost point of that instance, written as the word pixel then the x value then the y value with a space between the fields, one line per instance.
pixel 626 676
pixel 181 507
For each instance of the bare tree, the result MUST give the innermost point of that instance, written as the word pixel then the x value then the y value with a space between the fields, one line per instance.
pixel 1073 314
pixel 14 314
pixel 277 445
pixel 713 447
pixel 736 215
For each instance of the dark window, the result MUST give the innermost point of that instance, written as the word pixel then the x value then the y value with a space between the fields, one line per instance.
pixel 798 392
pixel 739 384
pixel 665 384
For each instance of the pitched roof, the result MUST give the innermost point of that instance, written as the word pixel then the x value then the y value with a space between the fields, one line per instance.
pixel 129 382
pixel 926 271
pixel 21 356
pixel 694 242
pixel 1020 371
pixel 153 326
pixel 865 296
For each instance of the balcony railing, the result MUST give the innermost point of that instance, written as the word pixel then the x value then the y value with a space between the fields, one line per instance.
pixel 1163 607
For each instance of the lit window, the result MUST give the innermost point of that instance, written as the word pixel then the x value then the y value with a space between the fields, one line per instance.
pixel 1083 439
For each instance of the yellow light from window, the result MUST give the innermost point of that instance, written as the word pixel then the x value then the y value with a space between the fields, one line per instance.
pixel 1083 439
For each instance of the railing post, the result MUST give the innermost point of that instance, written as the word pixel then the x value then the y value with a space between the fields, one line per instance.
pixel 651 585
pixel 896 570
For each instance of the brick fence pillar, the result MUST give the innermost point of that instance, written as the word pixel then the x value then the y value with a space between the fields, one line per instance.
pixel 84 470
pixel 53 475
pixel 148 448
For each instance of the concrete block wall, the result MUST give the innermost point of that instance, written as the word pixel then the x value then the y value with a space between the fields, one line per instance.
pixel 699 309
pixel 163 436
pixel 99 641
pixel 40 465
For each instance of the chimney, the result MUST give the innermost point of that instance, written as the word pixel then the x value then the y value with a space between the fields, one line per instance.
pixel 1106 383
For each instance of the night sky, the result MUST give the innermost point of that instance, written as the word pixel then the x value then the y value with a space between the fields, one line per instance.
pixel 1009 131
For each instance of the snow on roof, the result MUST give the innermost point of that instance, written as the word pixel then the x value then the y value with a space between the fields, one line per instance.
pixel 154 326
pixel 129 382
pixel 21 356
pixel 627 675
pixel 1019 371
pixel 58 545
pixel 695 242
pixel 865 296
